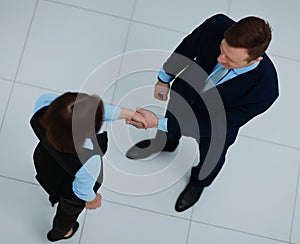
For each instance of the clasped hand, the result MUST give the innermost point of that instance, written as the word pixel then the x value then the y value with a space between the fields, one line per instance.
pixel 143 118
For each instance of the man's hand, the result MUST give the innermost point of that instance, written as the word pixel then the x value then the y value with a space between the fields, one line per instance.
pixel 161 90
pixel 150 117
pixel 138 120
pixel 96 203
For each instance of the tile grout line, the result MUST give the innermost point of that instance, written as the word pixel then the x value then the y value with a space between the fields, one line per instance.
pixel 149 24
pixel 123 51
pixel 6 107
pixel 6 79
pixel 115 16
pixel 229 7
pixel 160 27
pixel 284 57
pixel 26 39
pixel 85 9
pixel 189 228
pixel 37 86
pixel 240 231
pixel 83 225
pixel 18 180
pixel 19 64
pixel 294 209
pixel 195 221
pixel 271 142
pixel 146 210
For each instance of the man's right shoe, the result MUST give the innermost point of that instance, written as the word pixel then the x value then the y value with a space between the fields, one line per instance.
pixel 143 149
pixel 188 197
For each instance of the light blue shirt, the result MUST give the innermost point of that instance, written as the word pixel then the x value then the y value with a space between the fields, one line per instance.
pixel 86 176
pixel 165 77
pixel 232 72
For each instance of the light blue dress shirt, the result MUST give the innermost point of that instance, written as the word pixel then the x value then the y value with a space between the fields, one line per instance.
pixel 166 78
pixel 86 176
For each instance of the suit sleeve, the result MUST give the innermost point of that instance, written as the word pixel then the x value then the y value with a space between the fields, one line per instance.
pixel 183 55
pixel 186 52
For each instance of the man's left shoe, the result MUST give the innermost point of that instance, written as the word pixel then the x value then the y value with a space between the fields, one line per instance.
pixel 188 197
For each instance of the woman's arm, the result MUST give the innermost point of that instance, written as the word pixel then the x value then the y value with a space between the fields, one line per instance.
pixel 113 112
pixel 84 182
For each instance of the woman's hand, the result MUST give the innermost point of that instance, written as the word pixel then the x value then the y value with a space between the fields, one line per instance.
pixel 149 116
pixel 138 120
pixel 96 203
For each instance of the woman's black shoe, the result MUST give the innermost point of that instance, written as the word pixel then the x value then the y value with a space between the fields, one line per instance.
pixel 50 238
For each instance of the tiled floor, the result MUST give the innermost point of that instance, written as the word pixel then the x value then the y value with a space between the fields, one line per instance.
pixel 62 45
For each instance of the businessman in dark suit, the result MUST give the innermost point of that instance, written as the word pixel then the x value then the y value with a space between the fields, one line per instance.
pixel 222 78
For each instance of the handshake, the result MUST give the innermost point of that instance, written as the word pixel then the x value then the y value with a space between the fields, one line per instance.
pixel 143 119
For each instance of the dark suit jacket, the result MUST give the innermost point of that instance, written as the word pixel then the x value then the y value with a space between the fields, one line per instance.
pixel 243 97
pixel 56 170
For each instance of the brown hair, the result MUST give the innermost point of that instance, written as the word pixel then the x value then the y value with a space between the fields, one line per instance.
pixel 251 33
pixel 71 118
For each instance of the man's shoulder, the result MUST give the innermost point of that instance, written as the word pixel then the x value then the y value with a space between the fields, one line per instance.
pixel 267 64
pixel 220 18
pixel 218 22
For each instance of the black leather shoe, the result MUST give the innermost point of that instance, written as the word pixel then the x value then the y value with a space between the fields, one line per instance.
pixel 145 148
pixel 50 238
pixel 188 197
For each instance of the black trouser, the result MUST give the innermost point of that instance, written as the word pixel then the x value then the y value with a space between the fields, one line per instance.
pixel 67 213
pixel 204 145
pixel 184 118
pixel 68 208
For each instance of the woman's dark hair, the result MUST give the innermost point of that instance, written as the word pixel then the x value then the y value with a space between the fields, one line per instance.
pixel 71 118
pixel 251 33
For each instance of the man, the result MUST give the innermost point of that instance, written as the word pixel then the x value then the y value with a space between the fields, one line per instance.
pixel 242 83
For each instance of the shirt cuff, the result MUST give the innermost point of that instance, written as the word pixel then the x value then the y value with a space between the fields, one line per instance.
pixel 164 76
pixel 111 112
pixel 87 196
pixel 163 124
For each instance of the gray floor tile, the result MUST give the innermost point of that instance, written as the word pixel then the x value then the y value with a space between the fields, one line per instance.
pixel 15 18
pixel 255 191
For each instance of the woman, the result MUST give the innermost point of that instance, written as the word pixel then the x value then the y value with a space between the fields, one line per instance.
pixel 68 156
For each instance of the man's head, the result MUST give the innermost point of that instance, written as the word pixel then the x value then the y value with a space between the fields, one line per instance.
pixel 70 112
pixel 245 42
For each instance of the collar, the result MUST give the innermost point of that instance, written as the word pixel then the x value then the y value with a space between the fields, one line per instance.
pixel 242 70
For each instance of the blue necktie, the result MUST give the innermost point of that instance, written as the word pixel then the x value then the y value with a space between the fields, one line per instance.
pixel 213 80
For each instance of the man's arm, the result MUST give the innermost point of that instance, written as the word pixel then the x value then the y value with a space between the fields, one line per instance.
pixel 181 57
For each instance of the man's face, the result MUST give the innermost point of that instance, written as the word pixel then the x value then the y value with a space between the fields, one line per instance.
pixel 233 57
